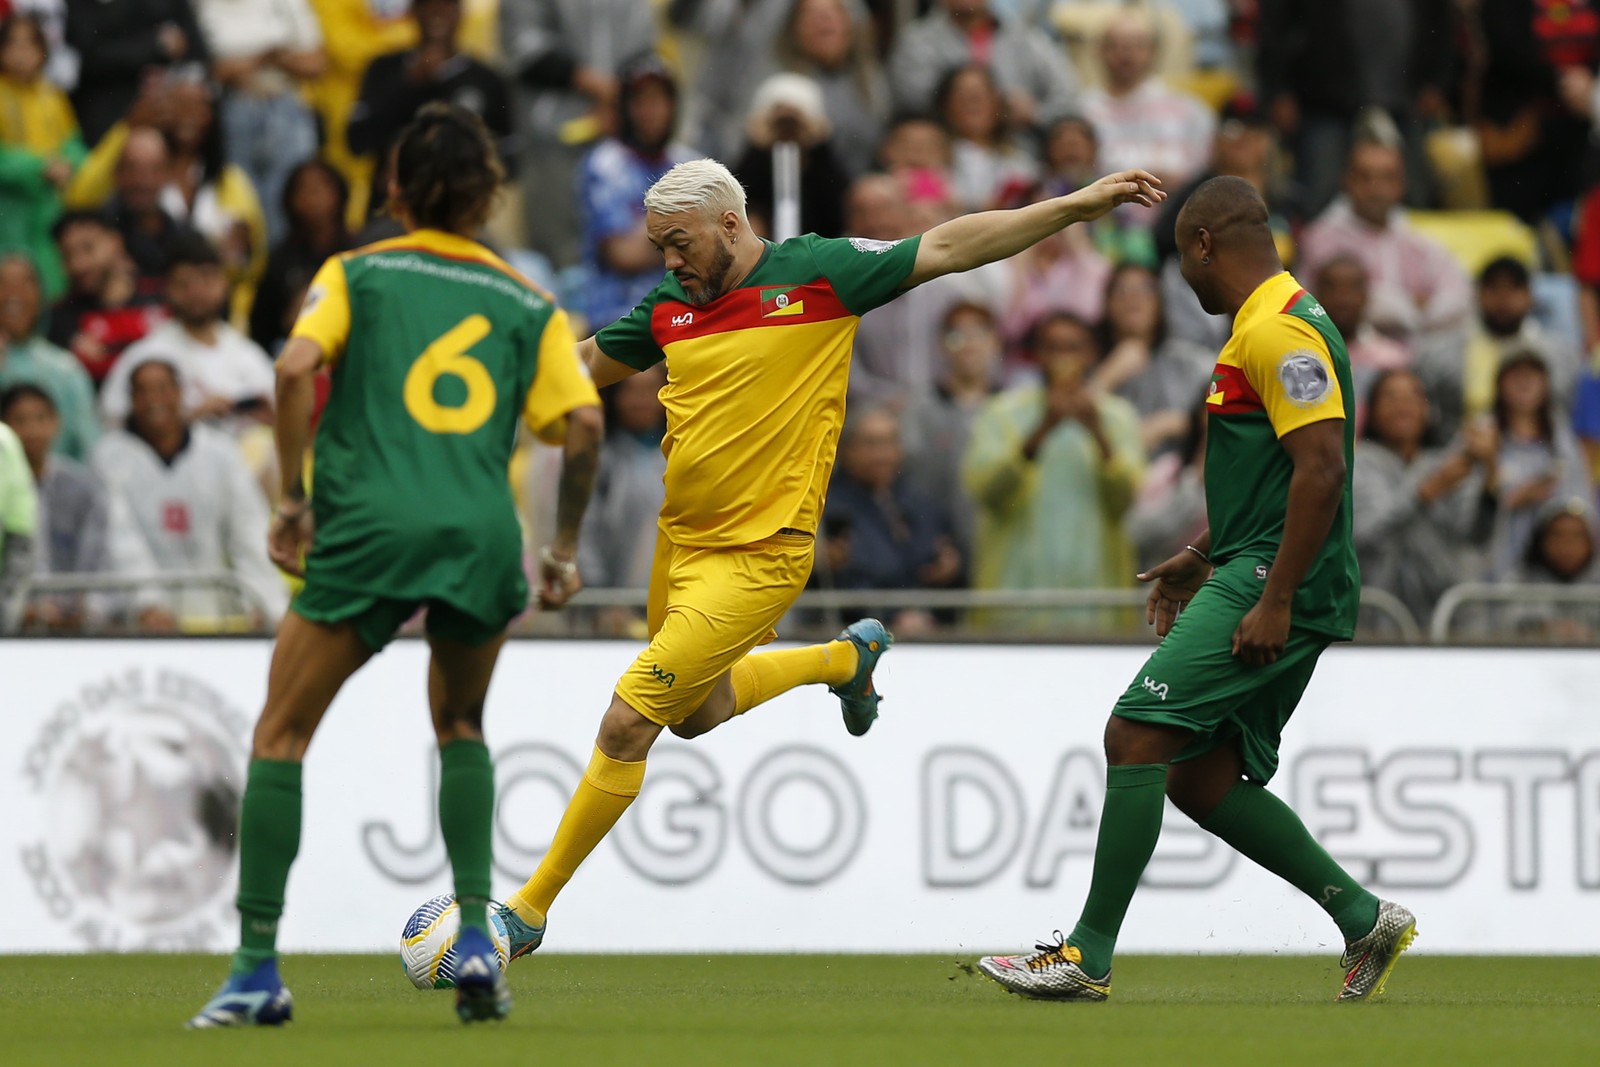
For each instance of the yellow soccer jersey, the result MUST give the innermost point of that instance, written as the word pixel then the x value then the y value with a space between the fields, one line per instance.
pixel 756 384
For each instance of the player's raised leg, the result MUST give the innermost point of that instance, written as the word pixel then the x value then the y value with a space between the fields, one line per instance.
pixel 458 683
pixel 310 663
pixel 845 665
pixel 708 610
pixel 1213 791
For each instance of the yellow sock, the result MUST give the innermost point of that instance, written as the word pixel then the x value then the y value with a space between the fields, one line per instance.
pixel 608 787
pixel 759 678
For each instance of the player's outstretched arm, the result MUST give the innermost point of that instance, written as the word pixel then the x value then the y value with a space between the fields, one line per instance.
pixel 973 240
pixel 602 368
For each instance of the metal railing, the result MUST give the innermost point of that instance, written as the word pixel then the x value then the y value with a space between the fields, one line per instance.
pixel 1396 621
pixel 1494 597
pixel 1383 615
pixel 244 601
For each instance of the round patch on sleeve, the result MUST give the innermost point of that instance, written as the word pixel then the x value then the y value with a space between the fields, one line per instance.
pixel 1305 377
pixel 867 244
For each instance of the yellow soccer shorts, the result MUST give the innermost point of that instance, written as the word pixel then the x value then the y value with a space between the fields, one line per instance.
pixel 708 607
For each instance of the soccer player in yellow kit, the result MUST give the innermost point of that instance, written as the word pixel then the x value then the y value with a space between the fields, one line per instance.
pixel 756 337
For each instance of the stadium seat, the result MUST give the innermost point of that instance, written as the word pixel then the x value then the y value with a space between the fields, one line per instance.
pixel 1476 237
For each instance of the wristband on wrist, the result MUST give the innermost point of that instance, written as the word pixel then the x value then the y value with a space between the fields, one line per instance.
pixel 566 567
pixel 1196 551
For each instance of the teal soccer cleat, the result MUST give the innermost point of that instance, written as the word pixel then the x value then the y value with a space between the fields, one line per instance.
pixel 481 990
pixel 857 697
pixel 524 938
pixel 257 999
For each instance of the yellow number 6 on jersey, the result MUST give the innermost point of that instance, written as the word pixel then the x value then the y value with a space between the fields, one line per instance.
pixel 448 355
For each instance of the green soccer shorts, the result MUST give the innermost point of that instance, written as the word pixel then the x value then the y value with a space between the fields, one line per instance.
pixel 377 619
pixel 1194 681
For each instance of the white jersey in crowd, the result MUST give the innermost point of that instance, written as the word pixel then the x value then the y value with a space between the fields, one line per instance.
pixel 234 367
pixel 201 512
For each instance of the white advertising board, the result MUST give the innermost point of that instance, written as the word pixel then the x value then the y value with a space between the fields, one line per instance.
pixel 1465 784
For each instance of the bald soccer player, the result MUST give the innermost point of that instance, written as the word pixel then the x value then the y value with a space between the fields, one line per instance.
pixel 1243 613
pixel 756 338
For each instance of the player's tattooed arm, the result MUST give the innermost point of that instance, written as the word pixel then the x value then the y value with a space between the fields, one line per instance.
pixel 559 576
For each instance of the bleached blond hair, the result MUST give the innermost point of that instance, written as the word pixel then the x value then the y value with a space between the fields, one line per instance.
pixel 702 185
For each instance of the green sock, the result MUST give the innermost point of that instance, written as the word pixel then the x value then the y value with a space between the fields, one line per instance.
pixel 466 815
pixel 269 837
pixel 1263 828
pixel 1129 827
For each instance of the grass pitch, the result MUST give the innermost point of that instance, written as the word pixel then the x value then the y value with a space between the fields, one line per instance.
pixel 812 1010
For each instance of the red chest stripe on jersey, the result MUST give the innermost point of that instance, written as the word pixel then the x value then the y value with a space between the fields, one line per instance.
pixel 1231 392
pixel 746 309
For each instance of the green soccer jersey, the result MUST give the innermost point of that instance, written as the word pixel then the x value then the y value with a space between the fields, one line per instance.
pixel 436 348
pixel 1284 367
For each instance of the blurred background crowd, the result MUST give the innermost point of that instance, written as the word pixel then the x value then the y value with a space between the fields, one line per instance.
pixel 172 172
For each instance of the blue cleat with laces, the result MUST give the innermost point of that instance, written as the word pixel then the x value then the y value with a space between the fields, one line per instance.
pixel 524 938
pixel 857 697
pixel 256 999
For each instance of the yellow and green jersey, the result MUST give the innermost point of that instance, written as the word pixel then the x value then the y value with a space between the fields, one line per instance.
pixel 756 383
pixel 437 347
pixel 1284 367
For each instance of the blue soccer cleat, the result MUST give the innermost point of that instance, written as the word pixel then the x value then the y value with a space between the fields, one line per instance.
pixel 481 990
pixel 524 938
pixel 257 999
pixel 857 697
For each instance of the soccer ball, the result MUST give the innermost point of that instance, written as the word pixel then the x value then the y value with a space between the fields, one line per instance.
pixel 428 943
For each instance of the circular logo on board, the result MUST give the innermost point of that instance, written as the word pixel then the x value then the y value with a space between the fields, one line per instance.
pixel 138 778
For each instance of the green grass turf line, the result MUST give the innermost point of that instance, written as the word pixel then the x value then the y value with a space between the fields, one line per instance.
pixel 661 1011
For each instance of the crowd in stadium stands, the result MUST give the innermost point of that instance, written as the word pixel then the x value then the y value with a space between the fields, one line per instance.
pixel 172 172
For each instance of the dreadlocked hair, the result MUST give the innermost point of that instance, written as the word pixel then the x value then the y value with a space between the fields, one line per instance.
pixel 447 169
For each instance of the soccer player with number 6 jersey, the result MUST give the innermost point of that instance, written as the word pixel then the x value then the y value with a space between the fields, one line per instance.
pixel 436 348
pixel 1244 614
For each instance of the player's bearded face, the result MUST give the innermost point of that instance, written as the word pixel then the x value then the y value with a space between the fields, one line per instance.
pixel 713 279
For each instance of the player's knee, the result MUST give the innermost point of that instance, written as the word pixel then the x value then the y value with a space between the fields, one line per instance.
pixel 465 725
pixel 1130 743
pixel 625 734
pixel 688 728
pixel 1185 798
pixel 279 737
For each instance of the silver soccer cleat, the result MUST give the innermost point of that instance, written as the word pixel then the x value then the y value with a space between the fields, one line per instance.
pixel 1368 960
pixel 1053 972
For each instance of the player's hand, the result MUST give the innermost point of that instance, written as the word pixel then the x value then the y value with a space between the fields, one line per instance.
pixel 559 580
pixel 1176 582
pixel 1261 635
pixel 289 538
pixel 1125 187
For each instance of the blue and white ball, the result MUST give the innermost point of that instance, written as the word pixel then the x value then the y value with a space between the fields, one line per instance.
pixel 428 943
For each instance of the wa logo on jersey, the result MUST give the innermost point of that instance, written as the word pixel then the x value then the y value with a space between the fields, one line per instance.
pixel 1158 688
pixel 1305 377
pixel 686 319
pixel 782 302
